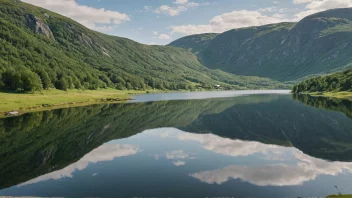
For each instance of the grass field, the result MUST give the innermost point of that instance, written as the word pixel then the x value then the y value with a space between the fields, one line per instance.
pixel 340 196
pixel 341 95
pixel 51 99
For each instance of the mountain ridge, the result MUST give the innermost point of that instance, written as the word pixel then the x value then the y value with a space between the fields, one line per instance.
pixel 317 45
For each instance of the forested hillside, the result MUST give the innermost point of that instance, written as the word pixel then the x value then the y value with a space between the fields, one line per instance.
pixel 40 49
pixel 318 44
pixel 341 81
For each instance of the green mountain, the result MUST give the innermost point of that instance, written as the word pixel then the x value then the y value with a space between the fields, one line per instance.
pixel 41 49
pixel 316 45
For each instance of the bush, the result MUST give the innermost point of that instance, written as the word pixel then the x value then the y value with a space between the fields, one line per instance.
pixel 21 80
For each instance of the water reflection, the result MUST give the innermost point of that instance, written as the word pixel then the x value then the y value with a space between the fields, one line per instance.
pixel 197 159
pixel 259 146
pixel 106 152
pixel 334 104
pixel 276 174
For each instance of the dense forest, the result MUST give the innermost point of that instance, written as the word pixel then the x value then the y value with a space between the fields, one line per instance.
pixel 341 81
pixel 40 49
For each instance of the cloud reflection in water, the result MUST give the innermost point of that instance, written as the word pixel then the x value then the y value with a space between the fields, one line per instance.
pixel 106 152
pixel 277 173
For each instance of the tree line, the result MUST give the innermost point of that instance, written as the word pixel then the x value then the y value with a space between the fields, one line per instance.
pixel 341 81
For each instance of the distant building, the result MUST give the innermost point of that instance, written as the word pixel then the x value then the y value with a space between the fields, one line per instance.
pixel 218 86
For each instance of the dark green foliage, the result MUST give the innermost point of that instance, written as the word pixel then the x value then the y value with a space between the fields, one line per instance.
pixel 1 83
pixel 62 84
pixel 67 55
pixel 341 81
pixel 44 78
pixel 21 79
pixel 317 45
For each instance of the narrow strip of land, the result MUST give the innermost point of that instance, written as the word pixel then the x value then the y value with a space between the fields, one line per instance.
pixel 341 95
pixel 53 99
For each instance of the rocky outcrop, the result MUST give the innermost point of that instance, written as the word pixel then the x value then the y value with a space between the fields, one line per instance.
pixel 39 26
pixel 86 40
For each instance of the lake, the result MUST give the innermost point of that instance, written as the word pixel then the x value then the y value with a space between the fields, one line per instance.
pixel 210 144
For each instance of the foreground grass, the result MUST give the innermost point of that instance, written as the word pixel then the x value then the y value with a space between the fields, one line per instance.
pixel 341 95
pixel 340 196
pixel 51 99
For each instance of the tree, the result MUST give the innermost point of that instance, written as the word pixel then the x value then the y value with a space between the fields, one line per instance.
pixel 45 78
pixel 120 86
pixel 129 86
pixel 1 83
pixel 62 84
pixel 12 80
pixel 31 81
pixel 70 82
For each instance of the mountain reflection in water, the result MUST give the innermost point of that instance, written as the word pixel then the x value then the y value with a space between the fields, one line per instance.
pixel 258 146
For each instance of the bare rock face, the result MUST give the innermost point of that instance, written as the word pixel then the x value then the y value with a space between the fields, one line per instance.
pixel 40 27
pixel 86 40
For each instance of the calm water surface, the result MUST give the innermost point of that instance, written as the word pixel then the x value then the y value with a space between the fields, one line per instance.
pixel 266 144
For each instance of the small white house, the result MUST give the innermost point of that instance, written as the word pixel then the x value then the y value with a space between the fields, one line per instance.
pixel 218 86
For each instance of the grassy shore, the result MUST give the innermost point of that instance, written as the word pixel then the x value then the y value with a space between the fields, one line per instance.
pixel 52 99
pixel 341 95
pixel 340 196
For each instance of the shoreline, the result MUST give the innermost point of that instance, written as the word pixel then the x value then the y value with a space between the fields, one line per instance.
pixel 345 95
pixel 57 99
pixel 47 100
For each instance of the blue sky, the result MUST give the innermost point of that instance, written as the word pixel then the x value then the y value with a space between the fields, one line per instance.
pixel 162 21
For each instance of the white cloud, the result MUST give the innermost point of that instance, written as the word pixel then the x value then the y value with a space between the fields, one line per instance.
pixel 307 168
pixel 181 6
pixel 164 37
pixel 232 20
pixel 172 11
pixel 179 154
pixel 302 1
pixel 227 146
pixel 87 16
pixel 314 6
pixel 216 144
pixel 276 173
pixel 181 2
pixel 161 36
pixel 179 163
pixel 106 152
